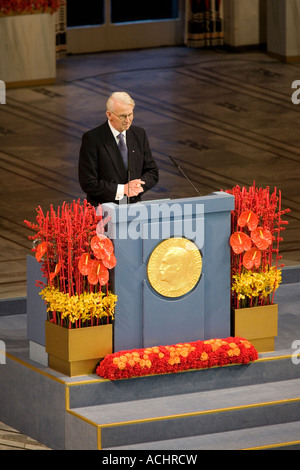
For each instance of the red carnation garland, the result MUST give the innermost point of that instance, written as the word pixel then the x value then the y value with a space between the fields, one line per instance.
pixel 176 358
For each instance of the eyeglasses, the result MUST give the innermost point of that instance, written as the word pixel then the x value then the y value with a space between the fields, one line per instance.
pixel 122 117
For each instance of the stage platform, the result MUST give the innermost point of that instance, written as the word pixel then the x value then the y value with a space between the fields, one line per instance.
pixel 256 406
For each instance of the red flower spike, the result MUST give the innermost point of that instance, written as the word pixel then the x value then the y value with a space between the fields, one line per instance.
pixel 252 258
pixel 239 242
pixel 102 246
pixel 262 238
pixel 248 218
pixel 41 250
pixel 97 272
pixel 83 263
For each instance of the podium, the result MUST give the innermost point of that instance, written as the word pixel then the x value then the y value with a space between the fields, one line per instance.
pixel 172 276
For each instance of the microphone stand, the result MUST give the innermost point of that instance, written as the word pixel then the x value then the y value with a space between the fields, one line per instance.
pixel 186 177
pixel 128 178
pixel 128 182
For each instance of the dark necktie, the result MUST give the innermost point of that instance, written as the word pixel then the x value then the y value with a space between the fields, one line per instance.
pixel 123 150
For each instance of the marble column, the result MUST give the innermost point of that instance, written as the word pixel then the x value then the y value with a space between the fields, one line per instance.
pixel 242 20
pixel 27 49
pixel 283 32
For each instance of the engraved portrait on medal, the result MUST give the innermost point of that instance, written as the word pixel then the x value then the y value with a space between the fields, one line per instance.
pixel 174 267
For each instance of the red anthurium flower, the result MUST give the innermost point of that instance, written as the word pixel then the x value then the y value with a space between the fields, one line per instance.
pixel 248 218
pixel 97 272
pixel 83 263
pixel 252 258
pixel 110 261
pixel 56 271
pixel 262 238
pixel 102 246
pixel 239 242
pixel 41 250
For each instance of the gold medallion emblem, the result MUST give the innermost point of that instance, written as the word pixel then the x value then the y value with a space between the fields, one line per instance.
pixel 174 267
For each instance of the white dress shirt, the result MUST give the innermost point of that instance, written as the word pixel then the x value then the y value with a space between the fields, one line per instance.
pixel 120 188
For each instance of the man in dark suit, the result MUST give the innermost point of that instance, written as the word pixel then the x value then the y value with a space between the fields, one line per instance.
pixel 115 158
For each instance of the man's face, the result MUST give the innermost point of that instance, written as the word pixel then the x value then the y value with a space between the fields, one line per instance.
pixel 122 116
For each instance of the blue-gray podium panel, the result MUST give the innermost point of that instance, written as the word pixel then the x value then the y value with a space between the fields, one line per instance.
pixel 143 316
pixel 36 308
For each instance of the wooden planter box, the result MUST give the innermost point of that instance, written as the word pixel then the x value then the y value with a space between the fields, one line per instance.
pixel 257 324
pixel 27 49
pixel 77 351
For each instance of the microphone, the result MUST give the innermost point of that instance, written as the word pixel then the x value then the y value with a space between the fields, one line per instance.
pixel 186 177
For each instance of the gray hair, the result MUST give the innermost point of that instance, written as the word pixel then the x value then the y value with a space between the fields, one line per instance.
pixel 120 96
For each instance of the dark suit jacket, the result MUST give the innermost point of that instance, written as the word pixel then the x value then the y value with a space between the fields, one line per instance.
pixel 101 167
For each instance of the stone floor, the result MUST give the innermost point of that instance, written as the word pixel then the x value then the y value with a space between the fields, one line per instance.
pixel 227 119
pixel 11 439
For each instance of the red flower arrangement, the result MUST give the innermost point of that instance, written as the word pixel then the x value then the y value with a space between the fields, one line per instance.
pixel 75 258
pixel 256 227
pixel 176 358
pixel 29 6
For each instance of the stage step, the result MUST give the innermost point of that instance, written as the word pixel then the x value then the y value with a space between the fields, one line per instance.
pixel 275 437
pixel 101 392
pixel 198 415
